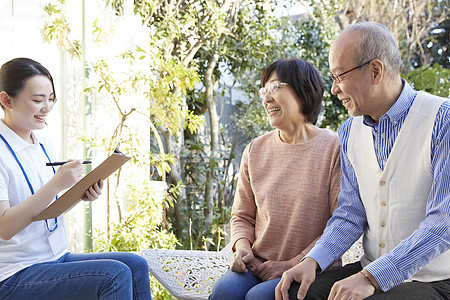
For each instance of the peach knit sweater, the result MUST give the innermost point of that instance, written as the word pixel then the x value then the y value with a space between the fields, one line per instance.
pixel 286 194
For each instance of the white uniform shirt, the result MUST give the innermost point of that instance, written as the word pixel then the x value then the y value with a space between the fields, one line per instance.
pixel 31 245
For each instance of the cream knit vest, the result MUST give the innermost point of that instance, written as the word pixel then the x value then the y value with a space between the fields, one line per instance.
pixel 395 198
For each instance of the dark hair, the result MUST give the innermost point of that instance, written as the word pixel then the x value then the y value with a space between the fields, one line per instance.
pixel 304 79
pixel 15 73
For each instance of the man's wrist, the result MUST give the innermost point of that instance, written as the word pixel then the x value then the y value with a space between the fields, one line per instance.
pixel 295 260
pixel 370 279
pixel 312 261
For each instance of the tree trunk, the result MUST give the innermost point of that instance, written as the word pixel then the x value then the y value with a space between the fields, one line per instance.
pixel 176 175
pixel 210 87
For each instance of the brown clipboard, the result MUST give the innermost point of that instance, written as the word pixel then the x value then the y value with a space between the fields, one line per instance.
pixel 73 195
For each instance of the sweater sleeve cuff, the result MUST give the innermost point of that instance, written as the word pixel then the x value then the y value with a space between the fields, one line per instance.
pixel 238 237
pixel 385 273
pixel 322 256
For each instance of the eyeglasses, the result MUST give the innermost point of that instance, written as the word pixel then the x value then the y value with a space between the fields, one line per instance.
pixel 337 77
pixel 272 88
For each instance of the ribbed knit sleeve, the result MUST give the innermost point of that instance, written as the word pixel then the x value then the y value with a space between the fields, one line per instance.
pixel 244 206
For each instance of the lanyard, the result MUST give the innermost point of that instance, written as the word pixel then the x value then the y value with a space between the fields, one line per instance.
pixel 26 176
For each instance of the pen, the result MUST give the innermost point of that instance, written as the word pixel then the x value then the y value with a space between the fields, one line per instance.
pixel 59 163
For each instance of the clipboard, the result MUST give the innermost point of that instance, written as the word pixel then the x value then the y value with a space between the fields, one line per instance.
pixel 73 195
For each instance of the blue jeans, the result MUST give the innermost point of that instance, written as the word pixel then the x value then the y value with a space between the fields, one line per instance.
pixel 114 275
pixel 234 286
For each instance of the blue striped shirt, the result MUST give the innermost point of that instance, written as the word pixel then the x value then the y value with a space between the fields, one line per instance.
pixel 349 220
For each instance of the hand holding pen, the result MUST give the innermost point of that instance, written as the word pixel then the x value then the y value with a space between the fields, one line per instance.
pixel 68 174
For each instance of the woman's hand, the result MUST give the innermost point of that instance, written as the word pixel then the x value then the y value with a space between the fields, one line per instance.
pixel 68 174
pixel 271 269
pixel 93 192
pixel 240 259
pixel 274 269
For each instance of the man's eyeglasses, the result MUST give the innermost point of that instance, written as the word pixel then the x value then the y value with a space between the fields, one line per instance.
pixel 272 88
pixel 337 77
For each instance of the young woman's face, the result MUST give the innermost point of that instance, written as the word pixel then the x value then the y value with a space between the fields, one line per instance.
pixel 31 106
pixel 282 107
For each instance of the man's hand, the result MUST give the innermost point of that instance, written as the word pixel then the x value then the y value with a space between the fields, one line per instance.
pixel 354 287
pixel 271 269
pixel 304 273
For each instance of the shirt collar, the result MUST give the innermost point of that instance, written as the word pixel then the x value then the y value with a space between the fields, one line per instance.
pixel 15 141
pixel 400 107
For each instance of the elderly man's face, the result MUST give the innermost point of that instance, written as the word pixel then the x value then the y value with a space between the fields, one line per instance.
pixel 354 87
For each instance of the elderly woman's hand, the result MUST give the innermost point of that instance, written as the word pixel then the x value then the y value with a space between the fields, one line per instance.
pixel 240 259
pixel 271 269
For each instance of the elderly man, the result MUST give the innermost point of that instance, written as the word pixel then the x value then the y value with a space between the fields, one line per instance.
pixel 395 187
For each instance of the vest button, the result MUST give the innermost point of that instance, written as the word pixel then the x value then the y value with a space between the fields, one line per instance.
pixel 382 245
pixel 383 224
pixel 383 203
pixel 382 183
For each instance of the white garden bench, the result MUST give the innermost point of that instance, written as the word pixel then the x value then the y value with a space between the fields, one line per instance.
pixel 191 275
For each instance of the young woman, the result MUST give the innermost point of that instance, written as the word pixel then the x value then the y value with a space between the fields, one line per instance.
pixel 34 262
pixel 288 184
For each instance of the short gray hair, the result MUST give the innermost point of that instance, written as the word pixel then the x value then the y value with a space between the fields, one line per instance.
pixel 376 42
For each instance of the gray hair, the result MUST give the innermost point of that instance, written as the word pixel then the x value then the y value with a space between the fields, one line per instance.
pixel 376 42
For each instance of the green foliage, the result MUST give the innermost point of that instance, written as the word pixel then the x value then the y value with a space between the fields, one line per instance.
pixel 57 28
pixel 162 162
pixel 142 227
pixel 438 43
pixel 432 79
pixel 158 291
pixel 196 163
pixel 251 119
pixel 149 80
pixel 221 233
pixel 167 105
pixel 193 122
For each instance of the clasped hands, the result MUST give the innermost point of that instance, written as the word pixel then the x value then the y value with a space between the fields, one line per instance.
pixel 354 287
pixel 268 270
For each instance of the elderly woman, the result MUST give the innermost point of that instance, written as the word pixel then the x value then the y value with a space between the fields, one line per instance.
pixel 288 184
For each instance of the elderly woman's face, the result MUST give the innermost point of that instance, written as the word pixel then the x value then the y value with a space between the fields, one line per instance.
pixel 282 106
